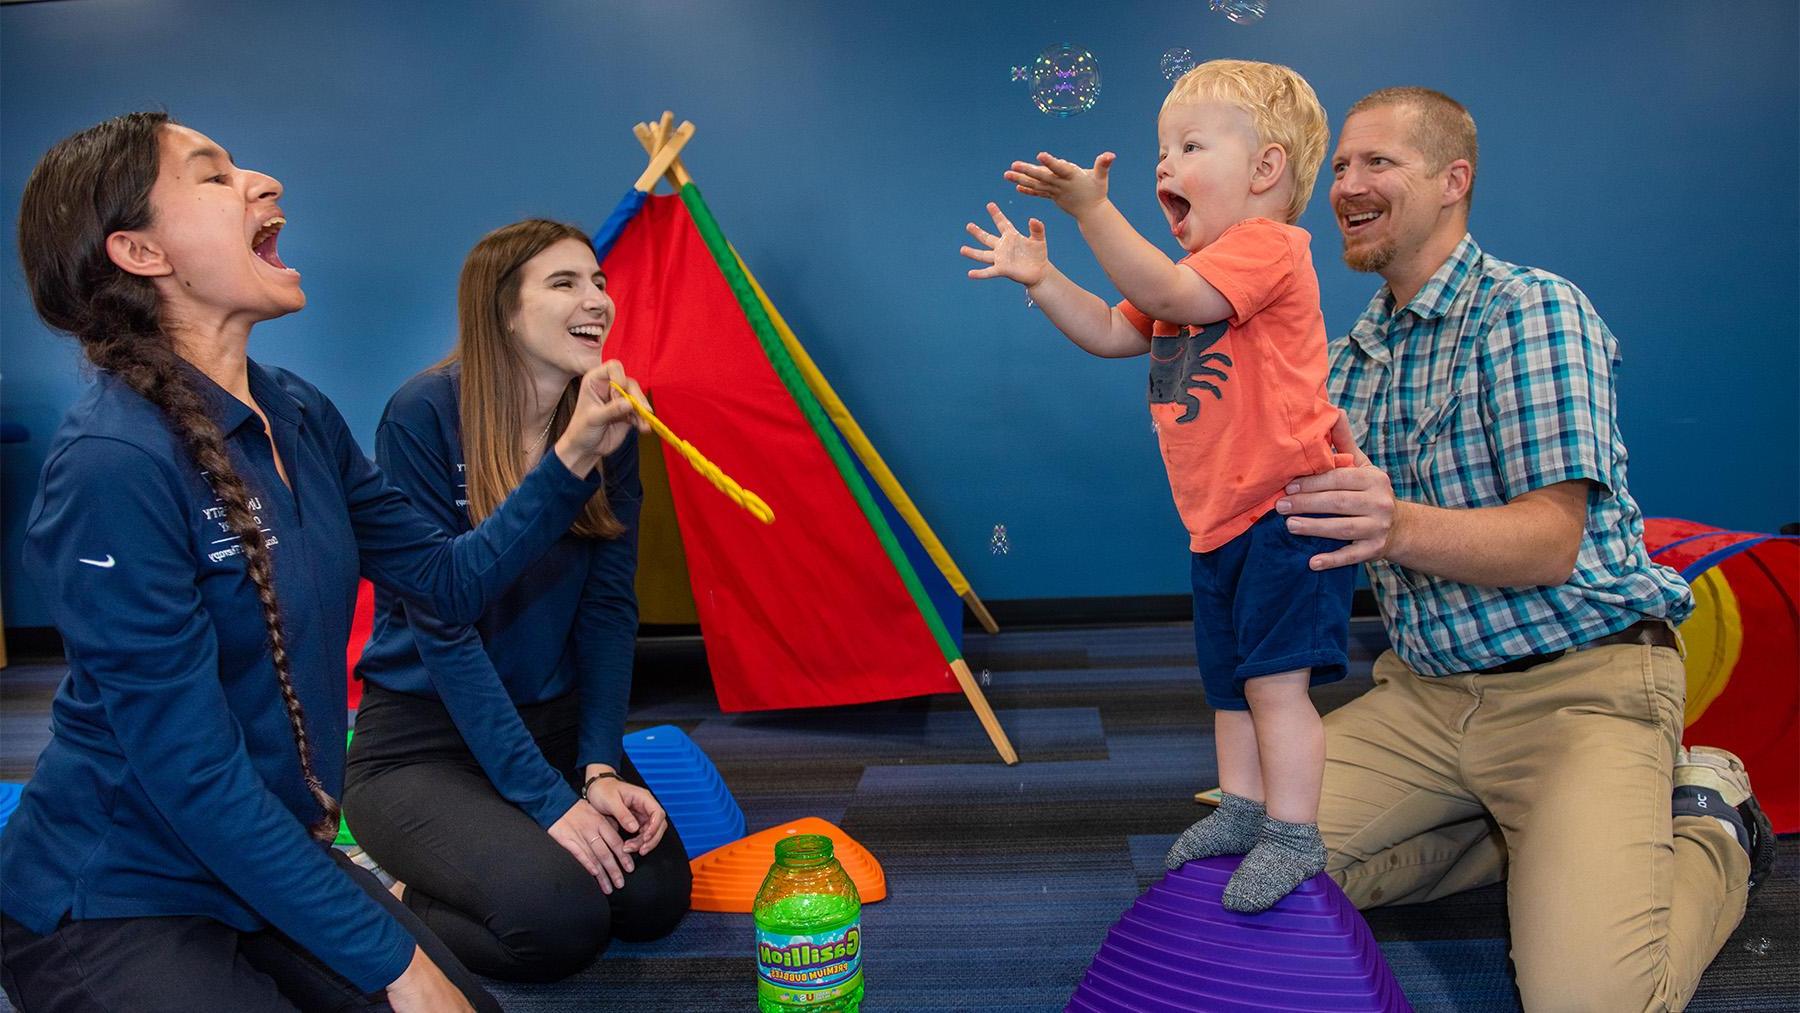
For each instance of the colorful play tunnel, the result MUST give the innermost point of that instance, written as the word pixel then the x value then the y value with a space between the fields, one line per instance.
pixel 1743 651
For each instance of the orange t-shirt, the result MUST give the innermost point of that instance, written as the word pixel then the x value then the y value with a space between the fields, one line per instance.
pixel 1239 406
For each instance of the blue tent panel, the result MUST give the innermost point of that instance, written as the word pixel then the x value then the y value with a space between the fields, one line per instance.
pixel 608 233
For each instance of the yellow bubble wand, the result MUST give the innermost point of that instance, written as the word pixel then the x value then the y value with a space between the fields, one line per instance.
pixel 710 471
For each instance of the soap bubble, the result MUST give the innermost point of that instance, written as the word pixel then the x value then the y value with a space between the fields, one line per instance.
pixel 1177 62
pixel 999 544
pixel 1021 74
pixel 1065 80
pixel 1241 12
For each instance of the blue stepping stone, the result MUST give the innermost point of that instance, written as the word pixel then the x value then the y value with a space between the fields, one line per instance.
pixel 689 787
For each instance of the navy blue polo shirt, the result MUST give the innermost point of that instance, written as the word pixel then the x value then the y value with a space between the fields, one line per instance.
pixel 569 624
pixel 171 784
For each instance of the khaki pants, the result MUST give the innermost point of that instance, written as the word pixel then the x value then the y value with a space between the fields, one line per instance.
pixel 1614 906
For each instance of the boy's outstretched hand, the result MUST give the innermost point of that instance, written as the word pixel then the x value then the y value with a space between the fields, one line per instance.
pixel 1074 189
pixel 1011 254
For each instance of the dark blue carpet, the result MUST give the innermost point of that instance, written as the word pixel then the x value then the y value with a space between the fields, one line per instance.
pixel 1003 880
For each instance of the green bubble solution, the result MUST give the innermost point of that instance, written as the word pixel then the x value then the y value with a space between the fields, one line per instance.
pixel 808 931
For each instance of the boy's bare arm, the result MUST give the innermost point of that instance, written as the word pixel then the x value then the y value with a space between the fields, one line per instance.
pixel 1156 285
pixel 1087 319
pixel 1083 316
pixel 1143 274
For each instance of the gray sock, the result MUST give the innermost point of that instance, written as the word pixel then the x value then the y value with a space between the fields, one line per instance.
pixel 1285 855
pixel 1231 830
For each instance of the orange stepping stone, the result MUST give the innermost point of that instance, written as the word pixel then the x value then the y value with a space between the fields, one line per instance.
pixel 727 877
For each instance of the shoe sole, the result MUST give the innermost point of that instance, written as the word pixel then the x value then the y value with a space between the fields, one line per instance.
pixel 1723 772
pixel 1762 846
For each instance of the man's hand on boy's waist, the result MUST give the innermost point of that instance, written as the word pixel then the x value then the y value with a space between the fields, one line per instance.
pixel 1360 498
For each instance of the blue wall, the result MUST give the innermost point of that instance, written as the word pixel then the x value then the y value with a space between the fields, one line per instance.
pixel 1646 150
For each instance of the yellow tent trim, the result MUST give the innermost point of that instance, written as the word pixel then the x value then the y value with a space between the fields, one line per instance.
pixel 871 459
pixel 1714 637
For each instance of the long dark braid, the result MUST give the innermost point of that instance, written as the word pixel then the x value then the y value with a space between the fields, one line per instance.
pixel 87 187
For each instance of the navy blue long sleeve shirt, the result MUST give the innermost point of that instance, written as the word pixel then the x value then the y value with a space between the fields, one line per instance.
pixel 570 623
pixel 171 784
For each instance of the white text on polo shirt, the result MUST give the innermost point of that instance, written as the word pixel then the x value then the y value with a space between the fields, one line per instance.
pixel 216 514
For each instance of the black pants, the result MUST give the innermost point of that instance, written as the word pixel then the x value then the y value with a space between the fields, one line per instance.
pixel 190 963
pixel 500 892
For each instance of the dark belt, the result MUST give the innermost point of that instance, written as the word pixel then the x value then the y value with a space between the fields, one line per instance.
pixel 1649 633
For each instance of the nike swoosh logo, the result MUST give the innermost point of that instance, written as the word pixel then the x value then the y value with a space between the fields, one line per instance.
pixel 104 564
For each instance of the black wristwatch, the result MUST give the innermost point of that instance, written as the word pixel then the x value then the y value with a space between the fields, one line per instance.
pixel 589 783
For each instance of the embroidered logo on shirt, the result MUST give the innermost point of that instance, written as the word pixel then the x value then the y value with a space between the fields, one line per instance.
pixel 1181 365
pixel 233 545
pixel 104 564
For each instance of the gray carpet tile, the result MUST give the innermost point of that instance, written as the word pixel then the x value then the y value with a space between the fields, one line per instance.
pixel 931 730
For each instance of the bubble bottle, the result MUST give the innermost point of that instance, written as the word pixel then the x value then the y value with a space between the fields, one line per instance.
pixel 808 931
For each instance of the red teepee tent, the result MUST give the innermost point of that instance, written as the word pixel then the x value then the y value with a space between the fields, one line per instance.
pixel 847 597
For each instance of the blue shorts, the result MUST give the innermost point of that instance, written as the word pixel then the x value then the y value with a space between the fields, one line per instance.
pixel 1260 610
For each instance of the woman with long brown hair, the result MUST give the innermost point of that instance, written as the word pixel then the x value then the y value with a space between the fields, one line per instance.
pixel 197 537
pixel 487 773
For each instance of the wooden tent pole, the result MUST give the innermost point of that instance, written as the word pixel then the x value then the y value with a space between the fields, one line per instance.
pixel 677 174
pixel 664 156
pixel 989 723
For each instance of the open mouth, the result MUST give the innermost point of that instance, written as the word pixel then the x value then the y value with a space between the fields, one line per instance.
pixel 1356 221
pixel 1175 208
pixel 263 244
pixel 590 335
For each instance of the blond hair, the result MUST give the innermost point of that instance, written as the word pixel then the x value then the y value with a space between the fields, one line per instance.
pixel 1281 105
pixel 1441 128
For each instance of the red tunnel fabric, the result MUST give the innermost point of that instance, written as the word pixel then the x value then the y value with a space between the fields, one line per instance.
pixel 1757 715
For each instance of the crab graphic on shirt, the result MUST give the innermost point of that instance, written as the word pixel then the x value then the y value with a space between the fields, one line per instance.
pixel 1181 366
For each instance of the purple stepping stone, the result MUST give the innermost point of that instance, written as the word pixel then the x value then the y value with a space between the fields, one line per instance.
pixel 1176 948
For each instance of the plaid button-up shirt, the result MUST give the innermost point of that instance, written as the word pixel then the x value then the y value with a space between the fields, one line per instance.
pixel 1493 381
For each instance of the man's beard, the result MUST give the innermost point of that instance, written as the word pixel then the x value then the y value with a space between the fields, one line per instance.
pixel 1370 258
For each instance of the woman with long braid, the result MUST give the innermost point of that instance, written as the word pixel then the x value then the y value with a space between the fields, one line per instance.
pixel 197 536
pixel 487 772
